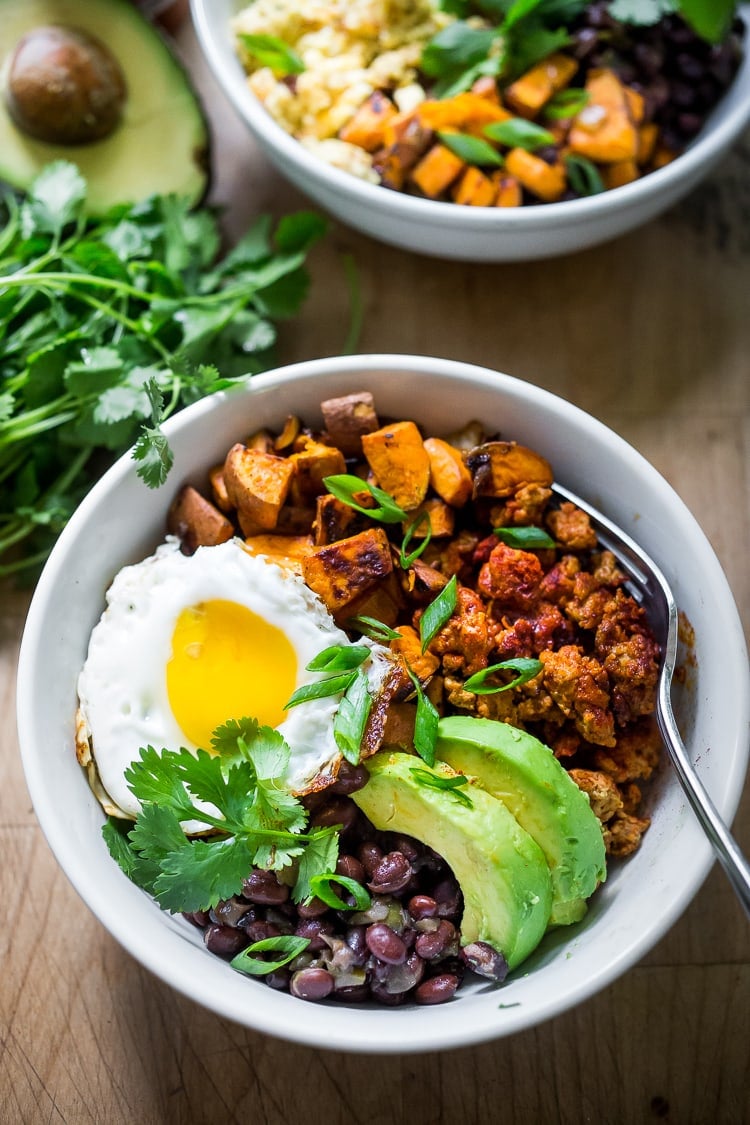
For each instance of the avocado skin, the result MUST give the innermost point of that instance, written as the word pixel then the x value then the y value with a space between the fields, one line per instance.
pixel 162 145
pixel 501 871
pixel 524 774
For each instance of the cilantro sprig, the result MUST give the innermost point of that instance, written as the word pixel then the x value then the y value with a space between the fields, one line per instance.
pixel 238 791
pixel 110 325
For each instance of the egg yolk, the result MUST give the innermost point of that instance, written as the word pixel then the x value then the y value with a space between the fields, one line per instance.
pixel 227 663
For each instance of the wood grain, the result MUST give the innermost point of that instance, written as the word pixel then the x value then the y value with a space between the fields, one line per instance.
pixel 651 333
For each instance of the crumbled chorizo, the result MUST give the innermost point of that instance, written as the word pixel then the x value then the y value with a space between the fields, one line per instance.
pixel 579 686
pixel 572 528
pixel 601 790
pixel 511 577
pixel 635 756
pixel 623 833
pixel 526 506
pixel 468 634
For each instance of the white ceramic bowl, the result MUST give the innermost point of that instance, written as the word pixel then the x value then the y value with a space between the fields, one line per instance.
pixel 468 233
pixel 121 521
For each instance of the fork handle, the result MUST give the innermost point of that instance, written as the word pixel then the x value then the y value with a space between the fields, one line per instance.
pixel 726 847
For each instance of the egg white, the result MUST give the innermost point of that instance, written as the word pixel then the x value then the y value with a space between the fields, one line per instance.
pixel 122 687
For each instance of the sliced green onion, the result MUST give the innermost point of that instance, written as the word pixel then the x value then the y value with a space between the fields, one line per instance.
pixel 438 612
pixel 526 538
pixel 372 628
pixel 517 132
pixel 344 486
pixel 407 559
pixel 321 886
pixel 447 784
pixel 288 945
pixel 339 658
pixel 351 718
pixel 527 668
pixel 425 723
pixel 320 689
pixel 472 150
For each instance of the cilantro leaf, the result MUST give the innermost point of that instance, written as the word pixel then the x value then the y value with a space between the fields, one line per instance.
pixel 154 457
pixel 198 876
pixel 642 12
pixel 318 858
pixel 55 199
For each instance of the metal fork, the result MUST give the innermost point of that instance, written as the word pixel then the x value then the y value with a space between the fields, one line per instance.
pixel 649 587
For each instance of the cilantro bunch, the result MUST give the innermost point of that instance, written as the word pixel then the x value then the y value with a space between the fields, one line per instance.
pixel 108 326
pixel 238 792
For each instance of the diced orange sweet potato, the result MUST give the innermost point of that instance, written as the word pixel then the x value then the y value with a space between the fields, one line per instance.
pixel 604 130
pixel 399 461
pixel 219 489
pixel 383 602
pixel 340 572
pixel 257 484
pixel 501 467
pixel 648 135
pixel 335 520
pixel 636 105
pixel 486 87
pixel 312 462
pixel 449 476
pixel 436 171
pixel 529 93
pixel 474 189
pixel 466 112
pixel 618 174
pixel 347 418
pixel 399 726
pixel 196 521
pixel 405 140
pixel 286 551
pixel 545 181
pixel 662 156
pixel 441 519
pixel 291 429
pixel 366 128
pixel 509 193
pixel 409 648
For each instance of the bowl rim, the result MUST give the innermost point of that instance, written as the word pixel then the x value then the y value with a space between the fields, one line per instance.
pixel 376 1034
pixel 713 139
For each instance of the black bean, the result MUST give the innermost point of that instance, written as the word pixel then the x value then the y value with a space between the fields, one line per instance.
pixel 690 123
pixel 278 979
pixel 199 918
pixel 370 855
pixel 230 911
pixel 422 906
pixel 311 984
pixel 339 811
pixel 391 875
pixel 447 894
pixel 313 929
pixel 315 908
pixel 224 941
pixel 258 930
pixel 436 990
pixel 352 993
pixel 483 959
pixel 380 993
pixel 649 58
pixel 350 866
pixel 350 778
pixel 264 888
pixel 412 849
pixel 385 944
pixel 356 939
pixel 436 943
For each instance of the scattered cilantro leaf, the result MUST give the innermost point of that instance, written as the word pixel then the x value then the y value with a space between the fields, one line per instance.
pixel 318 858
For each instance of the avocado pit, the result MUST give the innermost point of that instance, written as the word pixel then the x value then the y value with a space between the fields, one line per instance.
pixel 64 86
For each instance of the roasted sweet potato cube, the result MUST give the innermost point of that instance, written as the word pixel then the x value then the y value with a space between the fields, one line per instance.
pixel 436 171
pixel 545 181
pixel 467 112
pixel 291 429
pixel 286 551
pixel 449 476
pixel 474 189
pixel 312 462
pixel 433 515
pixel 409 648
pixel 347 418
pixel 384 602
pixel 501 467
pixel 196 522
pixel 219 489
pixel 397 457
pixel 618 174
pixel 529 93
pixel 604 130
pixel 648 135
pixel 336 520
pixel 366 127
pixel 405 140
pixel 257 484
pixel 509 192
pixel 399 726
pixel 340 572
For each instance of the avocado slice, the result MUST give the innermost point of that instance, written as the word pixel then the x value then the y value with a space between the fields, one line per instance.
pixel 150 136
pixel 501 871
pixel 526 776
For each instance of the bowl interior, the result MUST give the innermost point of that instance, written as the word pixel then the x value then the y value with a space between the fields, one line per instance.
pixel 121 521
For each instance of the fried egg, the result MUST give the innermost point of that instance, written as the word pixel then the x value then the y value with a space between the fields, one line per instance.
pixel 187 642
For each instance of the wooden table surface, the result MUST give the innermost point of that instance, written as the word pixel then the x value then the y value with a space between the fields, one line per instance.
pixel 650 333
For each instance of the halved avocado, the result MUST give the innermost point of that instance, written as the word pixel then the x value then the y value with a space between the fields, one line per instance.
pixel 501 871
pixel 526 776
pixel 93 82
